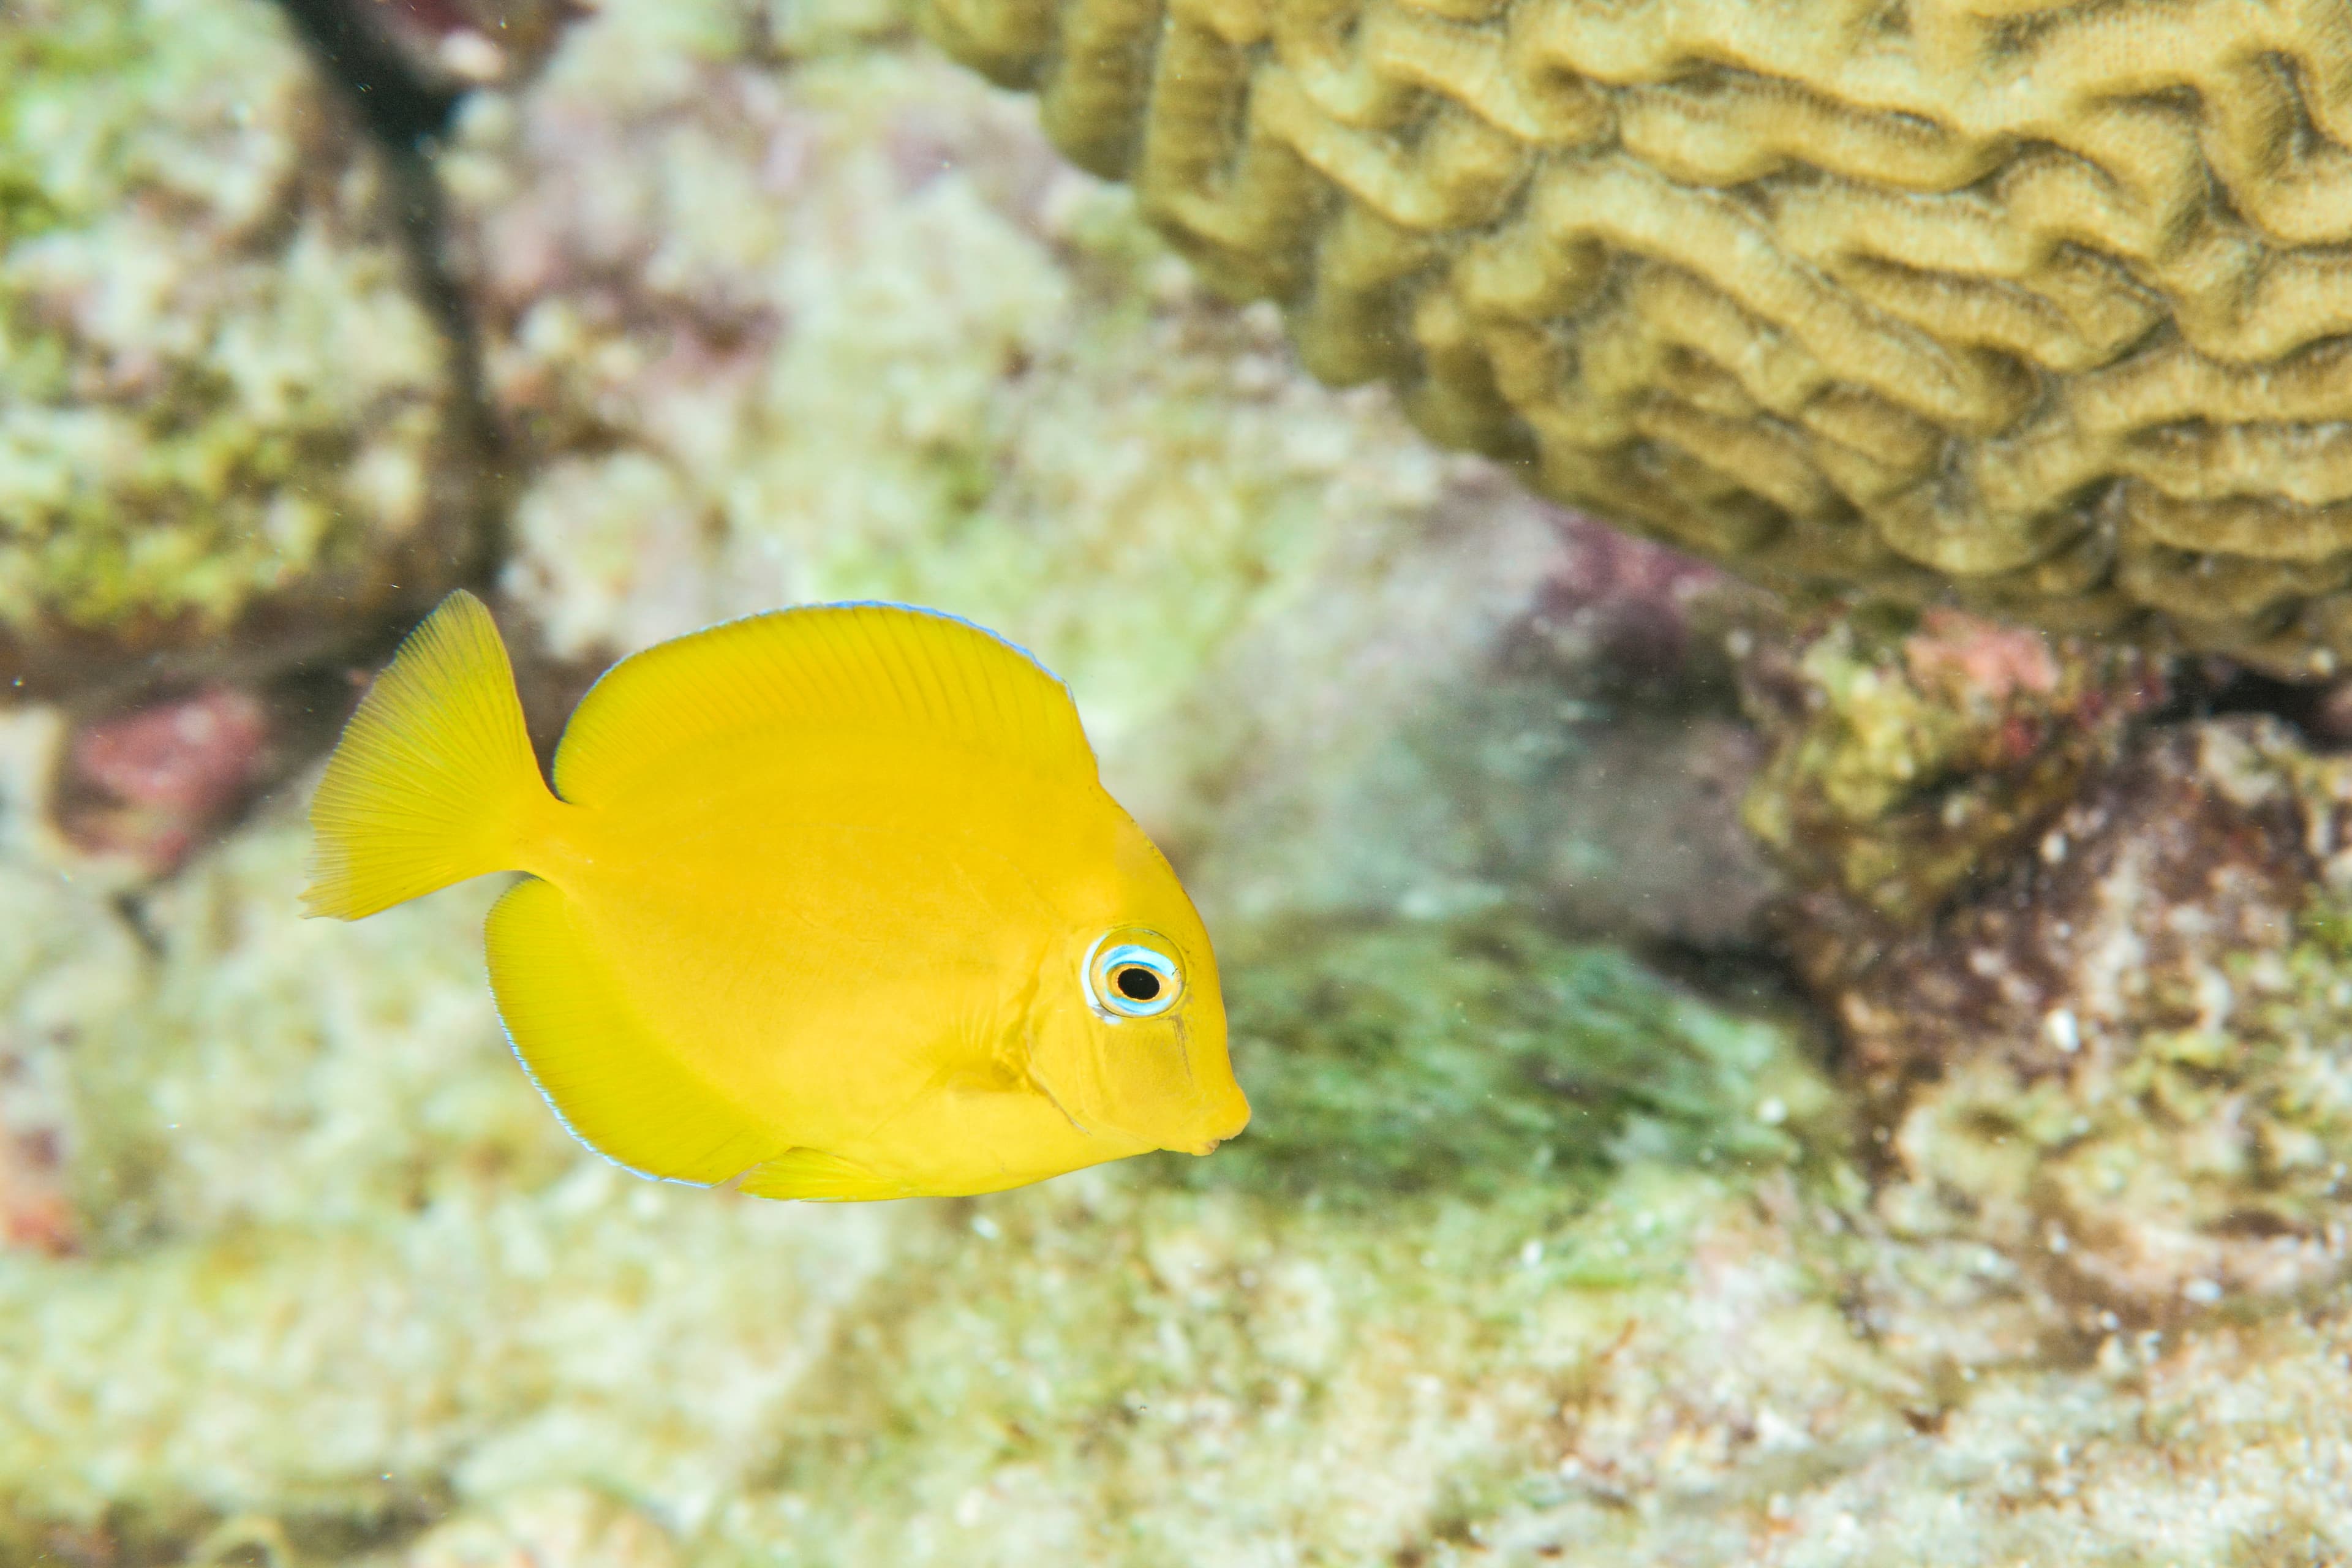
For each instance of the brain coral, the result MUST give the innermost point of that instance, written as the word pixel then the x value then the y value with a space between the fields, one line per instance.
pixel 2040 307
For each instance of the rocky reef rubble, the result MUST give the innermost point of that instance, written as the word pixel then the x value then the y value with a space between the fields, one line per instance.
pixel 2133 1065
pixel 231 433
pixel 573 1526
pixel 149 784
pixel 2089 977
pixel 1912 754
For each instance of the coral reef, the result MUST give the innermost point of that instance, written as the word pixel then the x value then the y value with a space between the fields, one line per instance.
pixel 230 430
pixel 1588 760
pixel 356 1177
pixel 848 330
pixel 2038 306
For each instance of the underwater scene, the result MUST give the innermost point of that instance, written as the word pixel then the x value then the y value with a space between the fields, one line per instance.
pixel 1180 783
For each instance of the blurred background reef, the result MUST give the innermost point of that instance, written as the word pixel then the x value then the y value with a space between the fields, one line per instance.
pixel 1777 1076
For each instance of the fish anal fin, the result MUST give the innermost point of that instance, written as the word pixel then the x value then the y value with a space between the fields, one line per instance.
pixel 824 669
pixel 816 1176
pixel 615 1083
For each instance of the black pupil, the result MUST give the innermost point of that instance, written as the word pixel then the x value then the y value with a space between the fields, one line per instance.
pixel 1137 983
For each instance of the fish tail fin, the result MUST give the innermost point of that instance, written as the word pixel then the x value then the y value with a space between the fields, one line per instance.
pixel 433 780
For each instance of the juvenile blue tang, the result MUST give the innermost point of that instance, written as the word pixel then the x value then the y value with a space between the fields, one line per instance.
pixel 827 903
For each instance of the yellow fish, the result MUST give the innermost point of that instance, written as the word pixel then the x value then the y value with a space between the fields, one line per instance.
pixel 827 903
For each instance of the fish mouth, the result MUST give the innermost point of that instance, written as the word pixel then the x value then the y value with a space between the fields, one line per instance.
pixel 1233 1126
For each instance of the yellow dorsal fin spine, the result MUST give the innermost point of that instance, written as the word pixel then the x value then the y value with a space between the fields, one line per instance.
pixel 822 669
pixel 433 780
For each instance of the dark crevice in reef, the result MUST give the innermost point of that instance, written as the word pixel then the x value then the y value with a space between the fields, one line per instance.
pixel 400 109
pixel 1754 979
pixel 2215 688
pixel 406 117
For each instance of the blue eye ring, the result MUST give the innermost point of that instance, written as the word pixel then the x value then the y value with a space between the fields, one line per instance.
pixel 1129 972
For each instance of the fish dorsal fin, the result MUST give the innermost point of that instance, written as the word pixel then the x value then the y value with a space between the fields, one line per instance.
pixel 821 667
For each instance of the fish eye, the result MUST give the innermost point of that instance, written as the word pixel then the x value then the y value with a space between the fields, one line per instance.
pixel 1131 973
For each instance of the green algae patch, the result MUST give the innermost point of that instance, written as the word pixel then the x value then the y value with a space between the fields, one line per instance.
pixel 1476 1055
pixel 219 390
